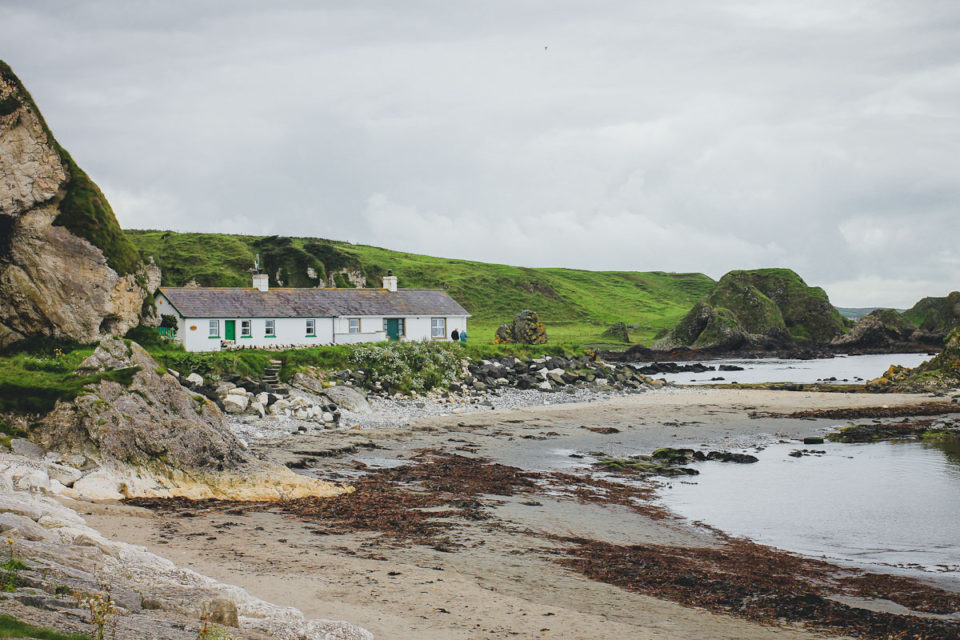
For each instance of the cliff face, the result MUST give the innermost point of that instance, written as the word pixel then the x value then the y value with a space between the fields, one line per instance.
pixel 752 307
pixel 66 269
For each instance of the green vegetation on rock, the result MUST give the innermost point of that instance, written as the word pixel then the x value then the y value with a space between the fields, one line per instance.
pixel 936 315
pixel 10 627
pixel 83 209
pixel 32 381
pixel 746 305
pixel 577 306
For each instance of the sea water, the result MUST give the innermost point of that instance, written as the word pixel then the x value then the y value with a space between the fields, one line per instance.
pixel 891 506
pixel 849 369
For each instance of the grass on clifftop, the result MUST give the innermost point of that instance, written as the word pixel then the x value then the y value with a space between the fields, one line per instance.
pixel 10 627
pixel 576 305
pixel 84 209
pixel 33 379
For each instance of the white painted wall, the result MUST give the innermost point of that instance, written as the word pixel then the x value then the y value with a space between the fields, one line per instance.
pixel 419 327
pixel 193 333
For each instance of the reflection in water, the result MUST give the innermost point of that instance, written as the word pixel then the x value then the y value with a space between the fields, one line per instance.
pixel 887 504
pixel 950 446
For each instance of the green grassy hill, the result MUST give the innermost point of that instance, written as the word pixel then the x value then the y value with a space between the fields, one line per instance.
pixel 576 305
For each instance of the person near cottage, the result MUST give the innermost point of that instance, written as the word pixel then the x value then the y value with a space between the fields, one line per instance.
pixel 463 336
pixel 455 335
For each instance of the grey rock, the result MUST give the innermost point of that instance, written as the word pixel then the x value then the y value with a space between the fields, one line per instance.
pixel 155 421
pixel 13 524
pixel 25 448
pixel 53 283
pixel 235 403
pixel 195 379
pixel 348 398
pixel 220 611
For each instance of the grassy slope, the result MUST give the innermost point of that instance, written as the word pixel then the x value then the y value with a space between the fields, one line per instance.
pixel 84 210
pixel 935 314
pixel 10 627
pixel 576 305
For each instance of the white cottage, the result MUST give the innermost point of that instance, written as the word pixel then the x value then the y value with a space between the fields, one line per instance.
pixel 210 319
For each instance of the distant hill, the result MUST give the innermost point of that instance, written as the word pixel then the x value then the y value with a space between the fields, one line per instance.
pixel 493 293
pixel 747 307
pixel 855 313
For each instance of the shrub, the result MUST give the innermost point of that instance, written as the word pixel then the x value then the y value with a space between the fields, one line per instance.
pixel 408 366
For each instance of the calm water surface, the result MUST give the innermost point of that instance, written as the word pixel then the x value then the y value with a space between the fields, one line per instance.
pixel 882 506
pixel 844 368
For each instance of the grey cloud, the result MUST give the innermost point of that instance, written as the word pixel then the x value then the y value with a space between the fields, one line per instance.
pixel 696 136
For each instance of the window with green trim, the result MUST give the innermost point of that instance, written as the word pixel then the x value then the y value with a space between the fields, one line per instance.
pixel 270 328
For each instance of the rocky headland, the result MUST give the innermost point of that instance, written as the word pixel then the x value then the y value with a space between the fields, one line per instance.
pixel 67 272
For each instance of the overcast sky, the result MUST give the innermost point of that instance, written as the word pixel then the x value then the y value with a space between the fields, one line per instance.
pixel 711 135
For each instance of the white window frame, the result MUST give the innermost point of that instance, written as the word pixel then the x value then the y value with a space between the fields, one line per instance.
pixel 214 329
pixel 311 327
pixel 246 328
pixel 270 328
pixel 438 328
pixel 350 325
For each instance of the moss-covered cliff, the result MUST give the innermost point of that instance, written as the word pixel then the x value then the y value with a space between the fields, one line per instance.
pixel 936 315
pixel 83 209
pixel 67 271
pixel 748 306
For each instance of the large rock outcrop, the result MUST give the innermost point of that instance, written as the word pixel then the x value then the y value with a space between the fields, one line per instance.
pixel 66 269
pixel 885 330
pixel 760 307
pixel 526 328
pixel 936 316
pixel 155 437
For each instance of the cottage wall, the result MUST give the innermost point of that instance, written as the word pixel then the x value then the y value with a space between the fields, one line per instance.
pixel 193 333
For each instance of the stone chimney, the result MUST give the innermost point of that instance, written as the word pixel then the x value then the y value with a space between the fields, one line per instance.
pixel 261 281
pixel 390 281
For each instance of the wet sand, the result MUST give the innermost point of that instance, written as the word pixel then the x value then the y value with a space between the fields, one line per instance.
pixel 498 577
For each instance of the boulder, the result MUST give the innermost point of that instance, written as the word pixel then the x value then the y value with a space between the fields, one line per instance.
pixel 235 403
pixel 348 398
pixel 617 331
pixel 301 380
pixel 152 421
pixel 195 380
pixel 526 328
pixel 26 448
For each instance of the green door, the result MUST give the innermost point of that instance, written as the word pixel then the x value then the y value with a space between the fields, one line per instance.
pixel 393 328
pixel 230 330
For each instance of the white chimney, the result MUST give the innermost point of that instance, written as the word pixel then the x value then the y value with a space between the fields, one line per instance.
pixel 261 281
pixel 390 281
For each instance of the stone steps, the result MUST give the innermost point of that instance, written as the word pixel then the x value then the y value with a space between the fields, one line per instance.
pixel 271 378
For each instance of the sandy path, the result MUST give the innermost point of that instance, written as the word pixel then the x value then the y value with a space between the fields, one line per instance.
pixel 495 586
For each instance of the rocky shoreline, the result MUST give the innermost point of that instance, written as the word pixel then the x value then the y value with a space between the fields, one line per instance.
pixel 66 562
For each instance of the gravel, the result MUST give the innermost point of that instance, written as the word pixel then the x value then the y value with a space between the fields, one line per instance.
pixel 400 412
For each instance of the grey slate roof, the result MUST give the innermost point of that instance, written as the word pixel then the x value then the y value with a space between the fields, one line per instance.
pixel 205 302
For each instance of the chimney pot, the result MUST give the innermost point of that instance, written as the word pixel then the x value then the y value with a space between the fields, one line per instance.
pixel 261 281
pixel 390 281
